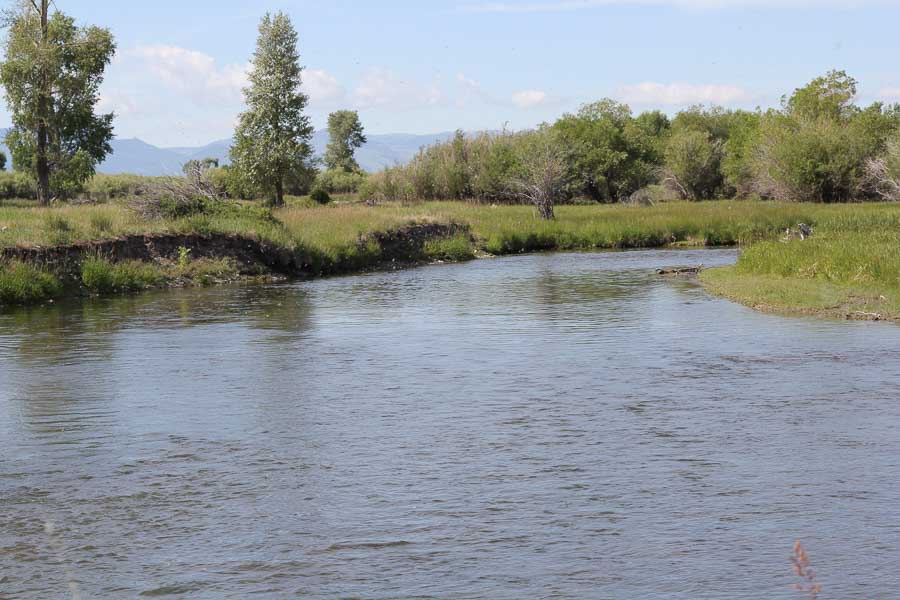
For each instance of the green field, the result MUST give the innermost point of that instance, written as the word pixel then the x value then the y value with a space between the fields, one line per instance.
pixel 498 229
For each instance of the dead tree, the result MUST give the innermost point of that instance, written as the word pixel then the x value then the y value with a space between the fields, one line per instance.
pixel 880 178
pixel 542 172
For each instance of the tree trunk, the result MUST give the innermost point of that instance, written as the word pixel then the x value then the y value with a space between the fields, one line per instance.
pixel 43 167
pixel 545 208
pixel 279 192
pixel 42 163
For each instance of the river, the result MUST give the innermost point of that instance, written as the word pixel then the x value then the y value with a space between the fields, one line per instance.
pixel 545 426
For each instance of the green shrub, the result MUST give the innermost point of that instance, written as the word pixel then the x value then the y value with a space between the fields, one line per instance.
pixel 370 189
pixel 336 181
pixel 816 147
pixel 613 154
pixel 107 187
pixel 320 196
pixel 404 184
pixel 693 164
pixel 184 257
pixel 232 182
pixel 22 283
pixel 15 184
pixel 174 208
pixel 101 276
pixel 456 249
pixel 301 181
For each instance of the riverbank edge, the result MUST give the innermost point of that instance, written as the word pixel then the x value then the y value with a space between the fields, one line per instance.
pixel 249 258
pixel 798 297
pixel 253 260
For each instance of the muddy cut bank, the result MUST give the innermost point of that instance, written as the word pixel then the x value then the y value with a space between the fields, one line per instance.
pixel 143 261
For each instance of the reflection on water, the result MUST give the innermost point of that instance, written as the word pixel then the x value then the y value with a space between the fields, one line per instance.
pixel 553 426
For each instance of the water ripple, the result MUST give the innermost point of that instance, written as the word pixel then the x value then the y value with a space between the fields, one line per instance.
pixel 554 426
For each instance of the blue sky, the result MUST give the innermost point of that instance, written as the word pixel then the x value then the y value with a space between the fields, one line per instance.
pixel 436 65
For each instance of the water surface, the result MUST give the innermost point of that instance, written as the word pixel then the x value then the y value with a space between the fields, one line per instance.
pixel 546 426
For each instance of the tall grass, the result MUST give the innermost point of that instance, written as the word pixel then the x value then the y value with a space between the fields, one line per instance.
pixel 22 283
pixel 850 267
pixel 33 226
pixel 458 248
pixel 856 257
pixel 101 276
pixel 858 247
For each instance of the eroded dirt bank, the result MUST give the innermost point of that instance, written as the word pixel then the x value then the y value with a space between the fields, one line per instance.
pixel 249 256
pixel 402 244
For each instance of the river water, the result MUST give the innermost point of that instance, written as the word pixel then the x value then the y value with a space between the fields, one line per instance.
pixel 545 426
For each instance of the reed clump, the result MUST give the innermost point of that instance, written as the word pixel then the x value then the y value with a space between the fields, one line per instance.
pixel 22 283
pixel 101 276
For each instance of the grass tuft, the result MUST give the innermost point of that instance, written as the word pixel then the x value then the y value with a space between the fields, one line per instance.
pixel 458 248
pixel 101 223
pixel 22 283
pixel 101 276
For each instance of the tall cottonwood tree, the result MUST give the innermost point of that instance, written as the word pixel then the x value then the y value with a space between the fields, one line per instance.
pixel 52 74
pixel 345 134
pixel 272 139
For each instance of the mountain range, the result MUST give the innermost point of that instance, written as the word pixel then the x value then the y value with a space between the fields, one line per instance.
pixel 138 157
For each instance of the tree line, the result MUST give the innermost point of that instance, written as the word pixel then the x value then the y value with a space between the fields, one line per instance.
pixel 818 145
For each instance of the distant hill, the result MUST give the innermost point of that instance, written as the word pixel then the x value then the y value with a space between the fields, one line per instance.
pixel 134 156
pixel 138 157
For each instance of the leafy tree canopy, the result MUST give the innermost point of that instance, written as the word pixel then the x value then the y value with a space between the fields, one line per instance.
pixel 827 97
pixel 345 132
pixel 52 75
pixel 272 139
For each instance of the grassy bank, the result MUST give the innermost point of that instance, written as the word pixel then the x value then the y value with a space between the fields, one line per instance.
pixel 346 237
pixel 841 274
pixel 497 229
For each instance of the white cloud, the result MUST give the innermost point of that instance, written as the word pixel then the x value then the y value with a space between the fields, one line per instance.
pixel 674 94
pixel 569 5
pixel 529 98
pixel 197 75
pixel 193 73
pixel 889 93
pixel 120 103
pixel 380 88
pixel 321 86
pixel 178 96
